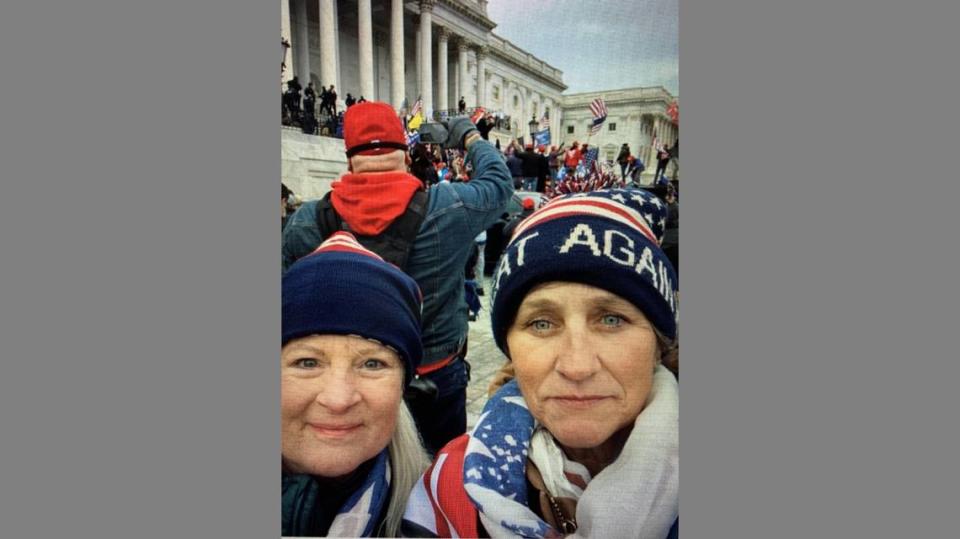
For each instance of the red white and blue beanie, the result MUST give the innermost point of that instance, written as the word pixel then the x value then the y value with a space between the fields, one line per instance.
pixel 608 238
pixel 343 288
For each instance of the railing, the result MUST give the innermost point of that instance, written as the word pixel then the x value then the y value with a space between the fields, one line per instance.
pixel 323 123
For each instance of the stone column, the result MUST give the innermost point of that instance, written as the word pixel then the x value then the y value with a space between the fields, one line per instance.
pixel 443 35
pixel 398 82
pixel 303 44
pixel 336 54
pixel 426 56
pixel 456 82
pixel 557 122
pixel 481 76
pixel 464 77
pixel 647 138
pixel 658 129
pixel 328 47
pixel 365 46
pixel 417 55
pixel 649 151
pixel 287 55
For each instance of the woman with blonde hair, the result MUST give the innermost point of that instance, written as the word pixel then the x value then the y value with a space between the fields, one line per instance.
pixel 583 442
pixel 351 343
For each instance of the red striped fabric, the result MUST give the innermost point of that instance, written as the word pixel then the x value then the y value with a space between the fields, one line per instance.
pixel 598 108
pixel 344 242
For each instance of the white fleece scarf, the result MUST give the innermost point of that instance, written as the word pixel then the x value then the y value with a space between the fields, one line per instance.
pixel 635 496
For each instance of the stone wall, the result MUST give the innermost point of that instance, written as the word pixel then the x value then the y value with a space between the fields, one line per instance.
pixel 309 164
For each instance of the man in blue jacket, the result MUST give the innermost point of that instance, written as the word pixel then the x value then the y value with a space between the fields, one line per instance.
pixel 374 194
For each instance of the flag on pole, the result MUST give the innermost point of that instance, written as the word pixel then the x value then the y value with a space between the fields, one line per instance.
pixel 545 121
pixel 542 137
pixel 416 115
pixel 599 110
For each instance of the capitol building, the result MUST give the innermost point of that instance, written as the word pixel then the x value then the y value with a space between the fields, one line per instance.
pixel 440 51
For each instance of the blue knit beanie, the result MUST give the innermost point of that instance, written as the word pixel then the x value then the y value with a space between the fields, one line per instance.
pixel 344 289
pixel 608 238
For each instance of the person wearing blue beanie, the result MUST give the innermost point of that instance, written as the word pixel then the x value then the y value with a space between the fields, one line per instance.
pixel 350 345
pixel 609 239
pixel 584 439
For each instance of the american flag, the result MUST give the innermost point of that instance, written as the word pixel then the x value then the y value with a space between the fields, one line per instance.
pixel 599 110
pixel 545 121
pixel 590 160
pixel 417 107
pixel 416 115
pixel 413 137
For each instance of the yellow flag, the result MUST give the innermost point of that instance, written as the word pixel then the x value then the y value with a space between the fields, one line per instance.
pixel 415 122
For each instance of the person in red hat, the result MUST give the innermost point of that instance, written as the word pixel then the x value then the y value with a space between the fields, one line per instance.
pixel 428 234
pixel 529 205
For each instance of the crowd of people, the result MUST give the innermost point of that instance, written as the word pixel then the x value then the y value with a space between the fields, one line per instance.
pixel 579 434
pixel 314 120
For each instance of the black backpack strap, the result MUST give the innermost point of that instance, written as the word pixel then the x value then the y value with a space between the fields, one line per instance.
pixel 395 243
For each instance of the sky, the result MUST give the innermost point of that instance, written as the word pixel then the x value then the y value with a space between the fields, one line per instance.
pixel 598 44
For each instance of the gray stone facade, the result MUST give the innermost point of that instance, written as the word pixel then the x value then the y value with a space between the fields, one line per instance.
pixel 396 50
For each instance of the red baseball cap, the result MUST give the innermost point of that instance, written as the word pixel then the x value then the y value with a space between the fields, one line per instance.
pixel 372 128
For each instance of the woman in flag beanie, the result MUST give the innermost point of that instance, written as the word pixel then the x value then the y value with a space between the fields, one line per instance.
pixel 351 342
pixel 584 441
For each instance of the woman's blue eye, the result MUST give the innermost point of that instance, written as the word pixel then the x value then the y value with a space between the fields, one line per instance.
pixel 374 364
pixel 540 325
pixel 612 320
pixel 307 363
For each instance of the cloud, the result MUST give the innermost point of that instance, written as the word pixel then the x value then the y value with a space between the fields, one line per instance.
pixel 603 44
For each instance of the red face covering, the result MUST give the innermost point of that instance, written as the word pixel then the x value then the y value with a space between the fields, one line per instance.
pixel 370 202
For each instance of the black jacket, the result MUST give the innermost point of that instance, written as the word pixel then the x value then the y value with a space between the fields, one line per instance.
pixel 530 164
pixel 484 128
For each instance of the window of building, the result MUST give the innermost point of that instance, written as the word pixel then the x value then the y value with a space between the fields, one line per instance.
pixel 496 92
pixel 516 101
pixel 569 129
pixel 613 126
